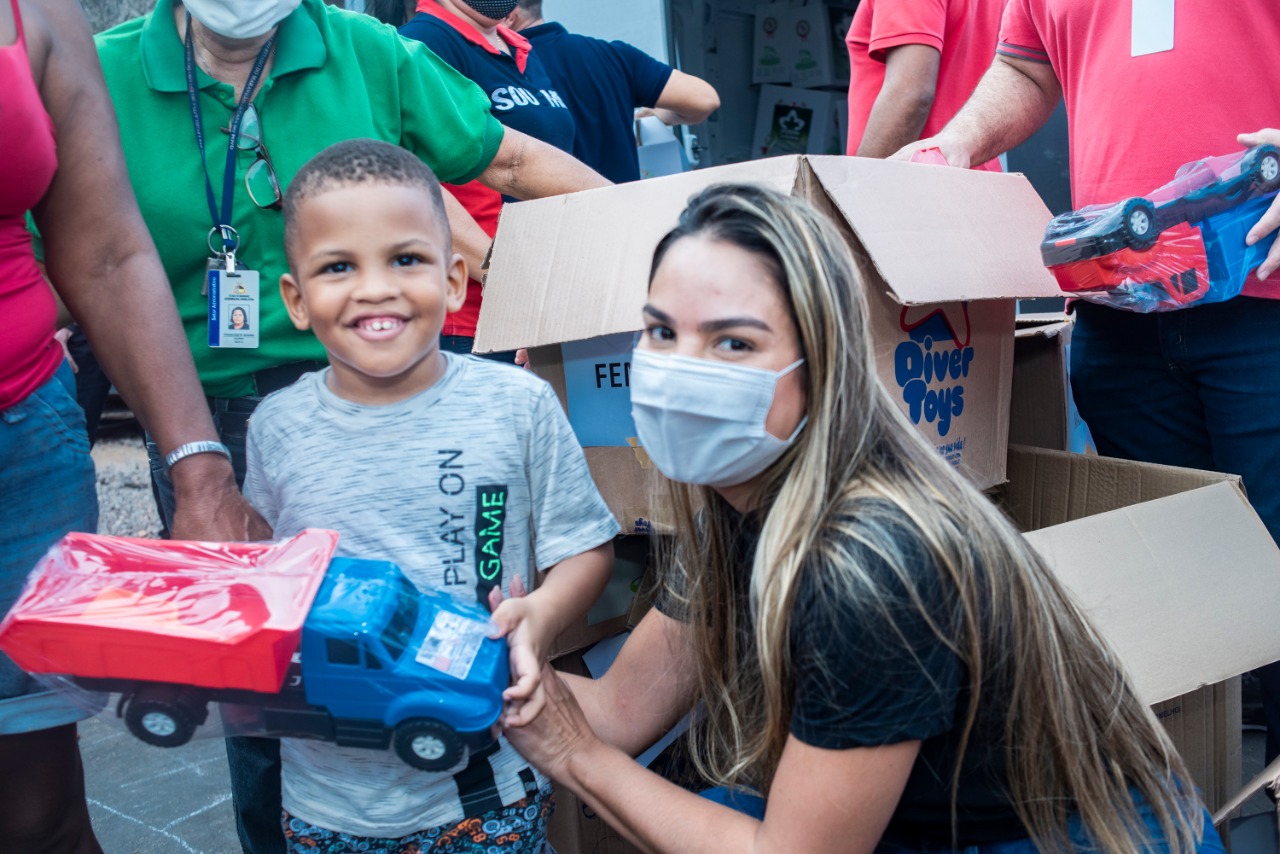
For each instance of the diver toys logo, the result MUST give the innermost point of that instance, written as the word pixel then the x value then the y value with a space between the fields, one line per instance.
pixel 932 366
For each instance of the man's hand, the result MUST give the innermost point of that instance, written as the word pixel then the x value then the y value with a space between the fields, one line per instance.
pixel 209 507
pixel 1271 219
pixel 953 150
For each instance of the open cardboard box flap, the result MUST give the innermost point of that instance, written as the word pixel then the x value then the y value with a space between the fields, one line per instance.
pixel 1173 566
pixel 942 235
pixel 573 267
pixel 1045 325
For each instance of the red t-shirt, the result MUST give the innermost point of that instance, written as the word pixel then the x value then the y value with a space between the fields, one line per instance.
pixel 962 31
pixel 1133 120
pixel 523 98
pixel 29 355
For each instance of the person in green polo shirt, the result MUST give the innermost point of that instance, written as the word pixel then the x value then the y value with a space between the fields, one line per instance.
pixel 315 76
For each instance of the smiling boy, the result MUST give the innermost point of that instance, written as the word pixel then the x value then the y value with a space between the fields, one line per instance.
pixel 462 471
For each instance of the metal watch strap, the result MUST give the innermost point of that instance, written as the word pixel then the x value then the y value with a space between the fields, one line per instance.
pixel 192 448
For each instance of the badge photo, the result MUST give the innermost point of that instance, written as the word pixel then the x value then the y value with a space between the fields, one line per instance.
pixel 233 309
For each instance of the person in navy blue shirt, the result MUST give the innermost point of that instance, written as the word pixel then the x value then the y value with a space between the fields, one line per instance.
pixel 469 35
pixel 604 83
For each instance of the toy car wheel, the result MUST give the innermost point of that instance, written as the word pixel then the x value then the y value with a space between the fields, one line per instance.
pixel 1268 174
pixel 1139 224
pixel 428 744
pixel 164 723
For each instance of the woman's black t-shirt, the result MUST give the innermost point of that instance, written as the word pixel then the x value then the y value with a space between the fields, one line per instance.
pixel 870 671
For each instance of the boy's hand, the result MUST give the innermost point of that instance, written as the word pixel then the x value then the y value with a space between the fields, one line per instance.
pixel 518 618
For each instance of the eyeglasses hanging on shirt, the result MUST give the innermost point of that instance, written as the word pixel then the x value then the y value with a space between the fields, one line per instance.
pixel 260 178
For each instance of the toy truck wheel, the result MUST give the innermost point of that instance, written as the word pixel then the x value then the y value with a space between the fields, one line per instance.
pixel 1268 169
pixel 1139 224
pixel 164 723
pixel 428 744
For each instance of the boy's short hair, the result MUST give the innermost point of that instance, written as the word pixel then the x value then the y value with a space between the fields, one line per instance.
pixel 359 161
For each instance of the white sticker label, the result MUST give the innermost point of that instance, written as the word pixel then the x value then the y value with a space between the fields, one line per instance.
pixel 452 643
pixel 1152 27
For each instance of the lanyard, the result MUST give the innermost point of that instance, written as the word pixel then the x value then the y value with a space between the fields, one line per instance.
pixel 222 221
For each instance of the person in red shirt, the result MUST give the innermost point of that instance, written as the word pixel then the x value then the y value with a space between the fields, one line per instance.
pixel 1146 92
pixel 469 35
pixel 913 63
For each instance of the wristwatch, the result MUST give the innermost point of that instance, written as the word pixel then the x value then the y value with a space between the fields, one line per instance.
pixel 192 448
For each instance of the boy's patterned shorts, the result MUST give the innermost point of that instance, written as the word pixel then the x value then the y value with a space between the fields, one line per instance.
pixel 521 827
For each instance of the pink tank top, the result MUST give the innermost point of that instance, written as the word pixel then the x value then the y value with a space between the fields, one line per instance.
pixel 29 355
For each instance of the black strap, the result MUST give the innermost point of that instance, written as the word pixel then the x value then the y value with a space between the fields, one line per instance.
pixel 222 220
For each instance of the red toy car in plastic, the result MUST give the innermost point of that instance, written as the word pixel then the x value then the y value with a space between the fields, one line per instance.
pixel 1181 244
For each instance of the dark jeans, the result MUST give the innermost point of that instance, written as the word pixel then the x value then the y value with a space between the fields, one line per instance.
pixel 463 344
pixel 1192 388
pixel 93 386
pixel 254 762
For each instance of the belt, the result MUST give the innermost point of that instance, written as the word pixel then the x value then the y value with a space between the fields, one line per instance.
pixel 272 379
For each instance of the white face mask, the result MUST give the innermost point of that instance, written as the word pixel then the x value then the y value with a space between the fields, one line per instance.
pixel 240 19
pixel 702 421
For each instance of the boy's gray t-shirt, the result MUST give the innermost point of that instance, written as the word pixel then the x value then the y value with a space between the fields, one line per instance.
pixel 415 483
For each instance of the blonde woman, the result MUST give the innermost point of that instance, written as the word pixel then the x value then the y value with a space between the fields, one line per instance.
pixel 884 665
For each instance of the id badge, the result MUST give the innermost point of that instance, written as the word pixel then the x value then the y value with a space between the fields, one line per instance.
pixel 233 308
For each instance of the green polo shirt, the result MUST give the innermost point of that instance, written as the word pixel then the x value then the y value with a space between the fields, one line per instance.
pixel 336 76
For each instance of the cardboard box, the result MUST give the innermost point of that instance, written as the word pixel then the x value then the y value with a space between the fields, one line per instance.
pixel 771 48
pixel 615 610
pixel 658 148
pixel 1042 412
pixel 800 121
pixel 941 254
pixel 1177 572
pixel 575 828
pixel 818 54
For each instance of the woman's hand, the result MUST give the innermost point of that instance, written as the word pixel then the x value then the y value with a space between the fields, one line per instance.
pixel 548 739
pixel 1271 219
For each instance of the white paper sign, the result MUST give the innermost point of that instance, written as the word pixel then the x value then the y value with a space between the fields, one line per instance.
pixel 452 643
pixel 1152 27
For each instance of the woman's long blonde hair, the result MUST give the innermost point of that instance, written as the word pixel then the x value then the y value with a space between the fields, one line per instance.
pixel 1077 739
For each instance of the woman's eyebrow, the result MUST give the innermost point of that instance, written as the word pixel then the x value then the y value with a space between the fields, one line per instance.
pixel 660 316
pixel 711 325
pixel 732 322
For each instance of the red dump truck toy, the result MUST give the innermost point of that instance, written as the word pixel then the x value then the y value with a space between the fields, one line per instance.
pixel 301 643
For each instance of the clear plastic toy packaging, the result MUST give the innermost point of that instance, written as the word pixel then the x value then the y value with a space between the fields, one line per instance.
pixel 280 639
pixel 1180 245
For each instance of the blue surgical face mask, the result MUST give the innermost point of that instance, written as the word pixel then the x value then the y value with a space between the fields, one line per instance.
pixel 702 421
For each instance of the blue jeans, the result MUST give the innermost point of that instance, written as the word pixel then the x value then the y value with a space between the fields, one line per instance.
pixel 748 803
pixel 1193 388
pixel 47 488
pixel 753 805
pixel 1211 843
pixel 254 763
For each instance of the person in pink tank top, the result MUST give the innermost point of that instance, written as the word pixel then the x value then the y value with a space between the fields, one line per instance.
pixel 60 159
